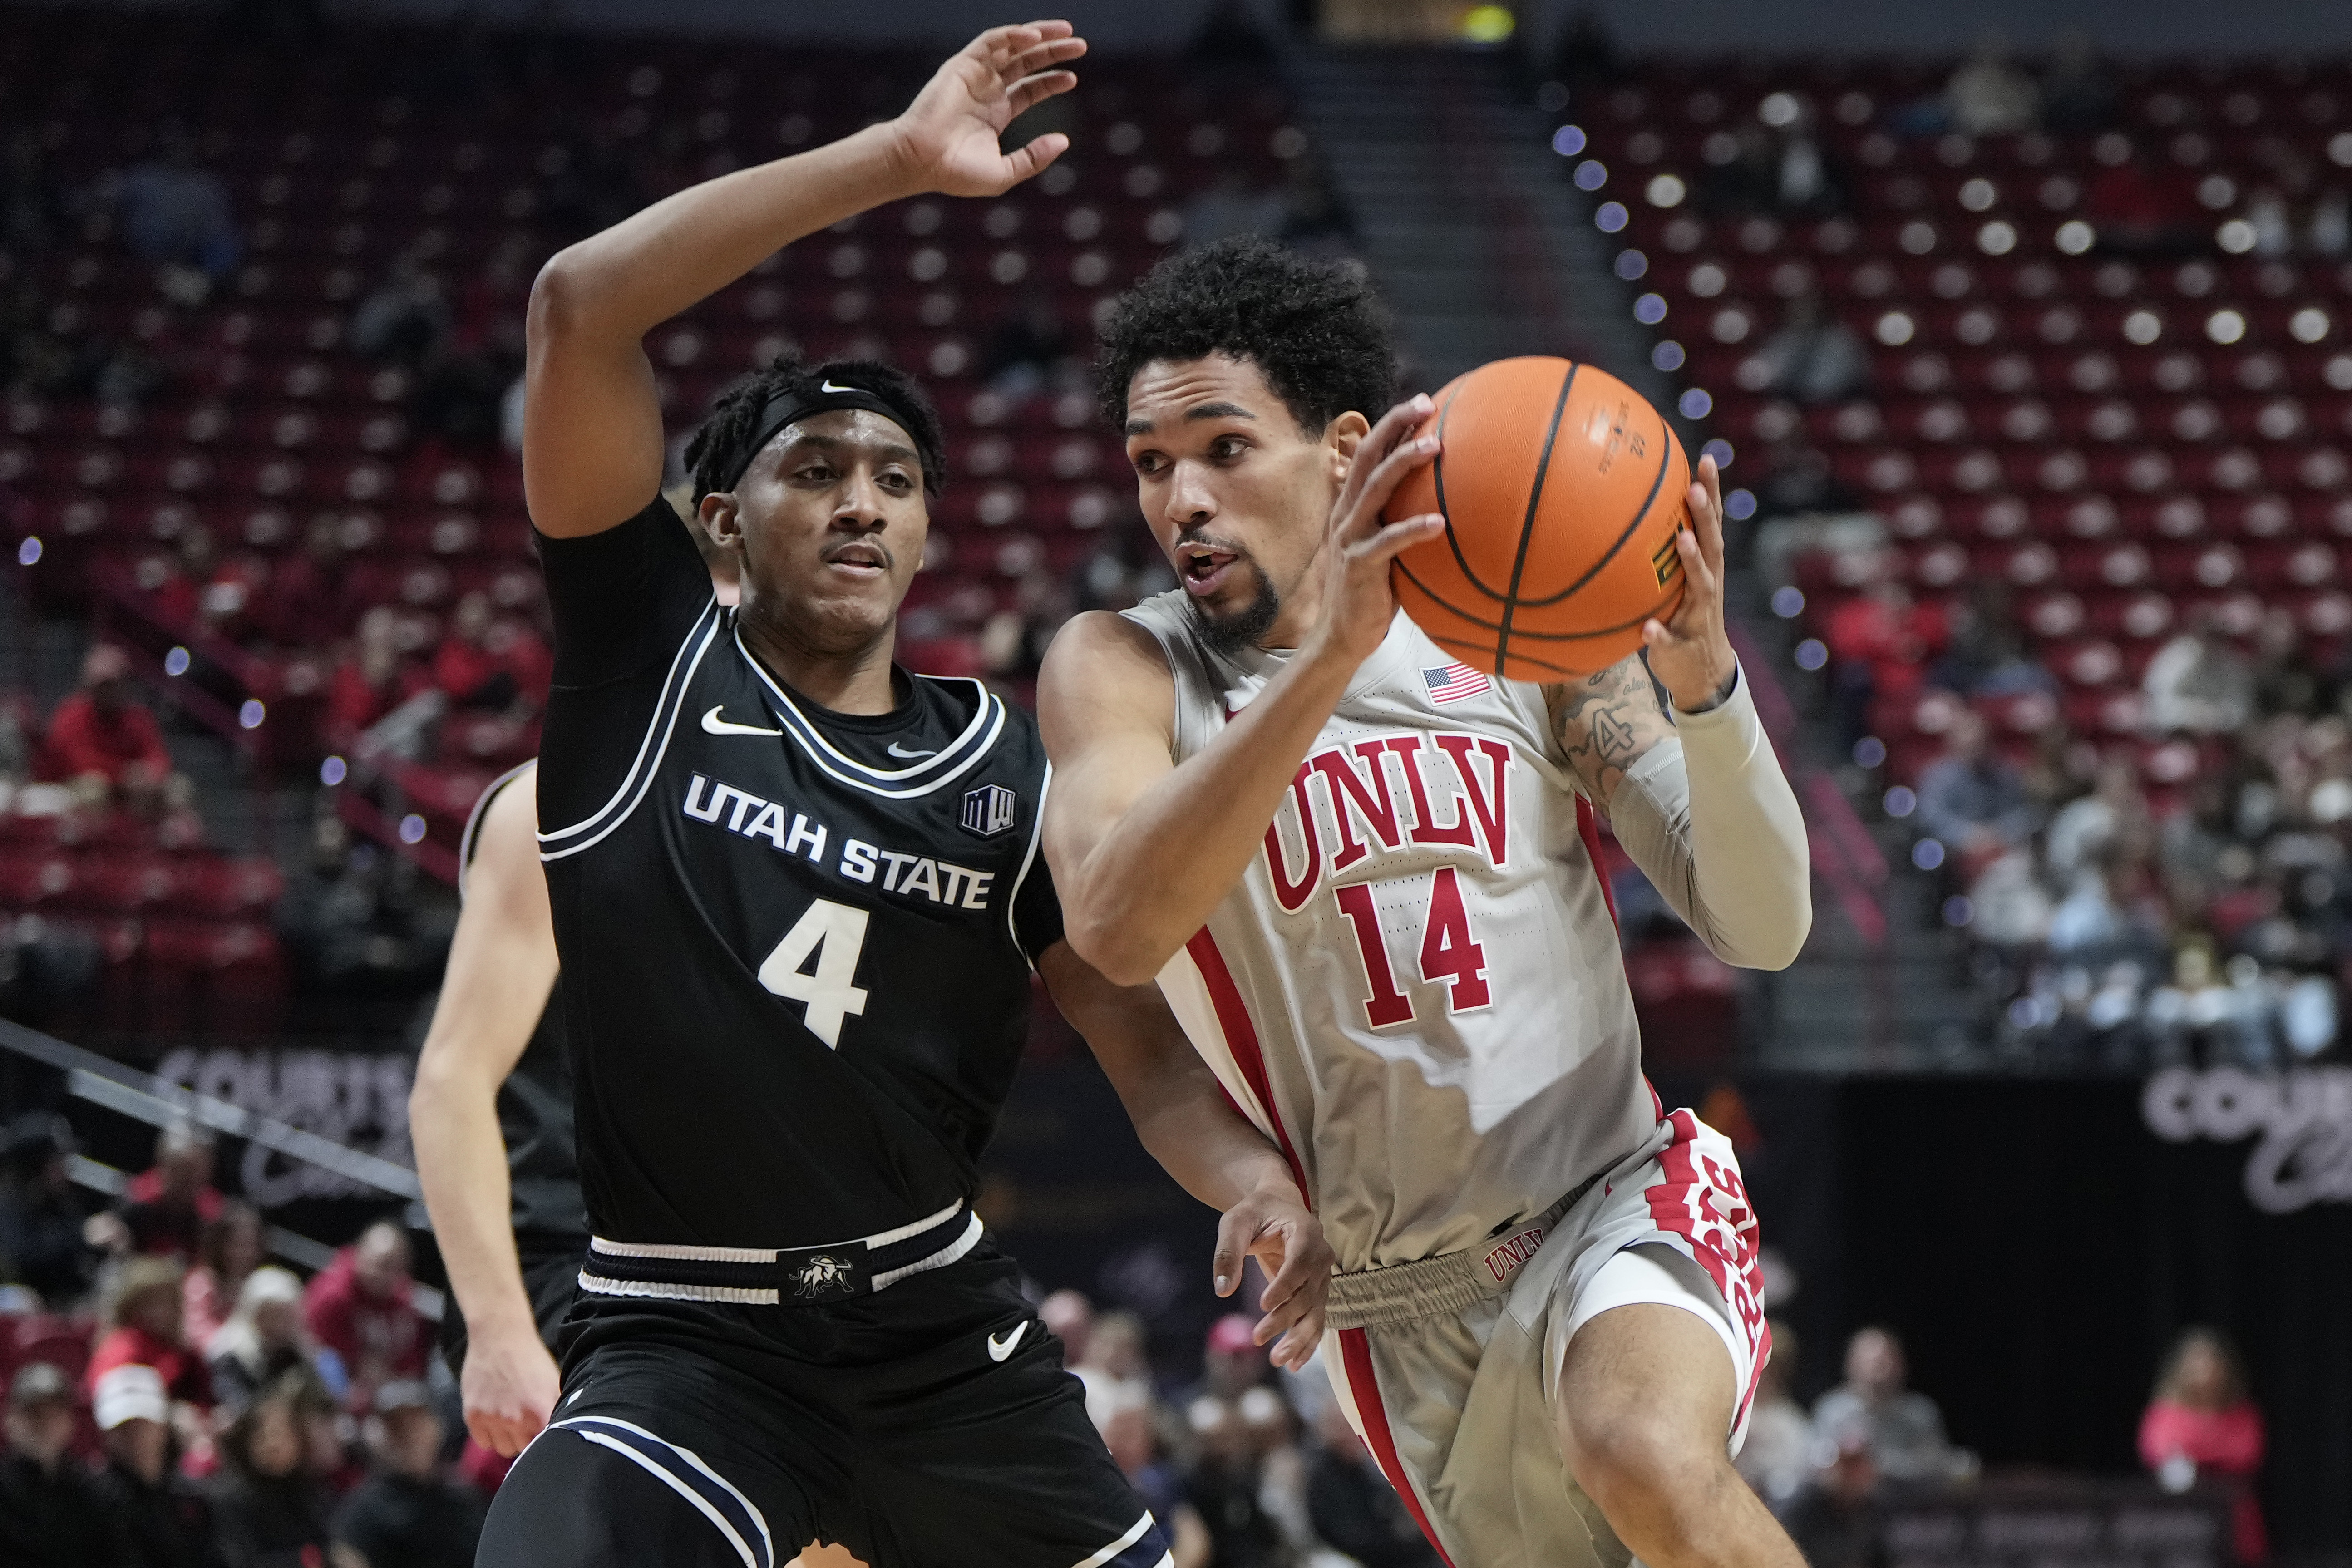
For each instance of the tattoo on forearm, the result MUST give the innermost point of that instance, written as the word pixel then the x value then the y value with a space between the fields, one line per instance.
pixel 1604 723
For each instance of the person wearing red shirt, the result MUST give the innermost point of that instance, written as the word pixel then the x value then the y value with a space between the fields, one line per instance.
pixel 372 680
pixel 102 736
pixel 308 605
pixel 1880 642
pixel 144 1330
pixel 165 1208
pixel 2203 1424
pixel 359 1307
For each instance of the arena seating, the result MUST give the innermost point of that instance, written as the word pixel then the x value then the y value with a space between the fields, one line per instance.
pixel 380 149
pixel 2125 438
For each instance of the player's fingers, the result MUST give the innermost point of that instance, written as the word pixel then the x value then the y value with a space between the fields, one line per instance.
pixel 1025 162
pixel 1035 90
pixel 1362 520
pixel 1235 1231
pixel 1387 434
pixel 1396 538
pixel 1043 56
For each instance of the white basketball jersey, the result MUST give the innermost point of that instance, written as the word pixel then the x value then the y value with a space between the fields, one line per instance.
pixel 1416 987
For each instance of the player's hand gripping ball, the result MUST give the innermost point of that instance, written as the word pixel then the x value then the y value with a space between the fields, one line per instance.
pixel 1563 494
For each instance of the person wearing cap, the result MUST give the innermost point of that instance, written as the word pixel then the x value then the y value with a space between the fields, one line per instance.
pixel 102 739
pixel 407 1513
pixel 50 1515
pixel 144 1330
pixel 161 1518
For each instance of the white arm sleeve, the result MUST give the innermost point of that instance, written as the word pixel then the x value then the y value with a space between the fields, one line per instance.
pixel 1711 820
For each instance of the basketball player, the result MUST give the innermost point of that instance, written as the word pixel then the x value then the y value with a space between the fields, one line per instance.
pixel 796 900
pixel 1368 880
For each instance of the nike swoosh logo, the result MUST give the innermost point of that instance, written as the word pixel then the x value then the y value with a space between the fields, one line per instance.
pixel 896 750
pixel 999 1347
pixel 712 724
pixel 828 386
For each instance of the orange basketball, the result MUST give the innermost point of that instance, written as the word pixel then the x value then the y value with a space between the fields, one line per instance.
pixel 1562 491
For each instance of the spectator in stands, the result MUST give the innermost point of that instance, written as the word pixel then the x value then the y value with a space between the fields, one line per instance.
pixel 1113 1369
pixel 1901 1432
pixel 1069 1317
pixel 352 920
pixel 1988 655
pixel 2286 678
pixel 2203 1424
pixel 359 1307
pixel 50 1514
pixel 102 740
pixel 408 1514
pixel 1777 1460
pixel 2115 811
pixel 404 318
pixel 2111 911
pixel 165 1207
pixel 2198 683
pixel 307 606
pixel 143 1330
pixel 1133 1439
pixel 1031 352
pixel 43 1220
pixel 175 211
pixel 161 1521
pixel 1879 641
pixel 2137 208
pixel 1806 180
pixel 269 1509
pixel 1350 1504
pixel 264 1338
pixel 1813 357
pixel 2078 89
pixel 1970 798
pixel 227 1253
pixel 373 703
pixel 1232 1362
pixel 1991 94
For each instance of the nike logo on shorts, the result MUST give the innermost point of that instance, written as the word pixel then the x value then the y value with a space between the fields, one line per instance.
pixel 712 724
pixel 1000 1345
pixel 898 750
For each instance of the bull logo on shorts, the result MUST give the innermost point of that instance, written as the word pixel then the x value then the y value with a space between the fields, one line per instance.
pixel 822 1275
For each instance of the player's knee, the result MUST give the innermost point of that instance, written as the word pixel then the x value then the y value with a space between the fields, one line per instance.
pixel 1645 1469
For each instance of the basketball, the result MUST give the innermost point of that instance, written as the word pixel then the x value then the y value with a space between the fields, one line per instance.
pixel 1562 491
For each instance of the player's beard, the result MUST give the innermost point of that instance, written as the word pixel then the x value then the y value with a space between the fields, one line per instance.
pixel 1227 634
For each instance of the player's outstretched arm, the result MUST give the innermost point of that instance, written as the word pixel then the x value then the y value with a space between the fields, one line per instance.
pixel 501 968
pixel 1192 1130
pixel 1143 849
pixel 591 425
pixel 1699 803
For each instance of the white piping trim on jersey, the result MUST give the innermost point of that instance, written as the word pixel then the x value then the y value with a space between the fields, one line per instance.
pixel 940 1259
pixel 734 1295
pixel 694 1254
pixel 885 1237
pixel 474 821
pixel 1135 1533
pixel 667 700
pixel 668 726
pixel 813 742
pixel 1013 899
pixel 763 1558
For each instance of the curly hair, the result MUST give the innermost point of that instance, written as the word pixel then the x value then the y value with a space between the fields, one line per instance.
pixel 1315 330
pixel 737 410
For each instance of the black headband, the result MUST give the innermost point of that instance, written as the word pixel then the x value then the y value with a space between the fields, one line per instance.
pixel 790 408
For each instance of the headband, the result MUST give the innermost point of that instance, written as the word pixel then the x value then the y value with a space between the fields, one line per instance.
pixel 790 408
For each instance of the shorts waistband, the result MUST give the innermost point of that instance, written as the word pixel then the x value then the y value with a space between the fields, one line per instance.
pixel 773 1276
pixel 1449 1283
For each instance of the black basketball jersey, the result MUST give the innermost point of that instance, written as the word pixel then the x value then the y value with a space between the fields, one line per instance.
pixel 534 1103
pixel 795 944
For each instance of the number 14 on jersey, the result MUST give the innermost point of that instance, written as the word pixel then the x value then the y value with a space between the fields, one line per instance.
pixel 1449 953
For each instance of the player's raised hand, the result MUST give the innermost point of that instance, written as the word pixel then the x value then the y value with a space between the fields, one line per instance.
pixel 1358 603
pixel 1691 654
pixel 1274 1225
pixel 947 136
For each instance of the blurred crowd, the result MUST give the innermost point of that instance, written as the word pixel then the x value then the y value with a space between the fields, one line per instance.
pixel 175 1400
pixel 2184 898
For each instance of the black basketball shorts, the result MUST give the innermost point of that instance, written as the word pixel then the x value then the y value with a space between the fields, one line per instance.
pixel 929 1425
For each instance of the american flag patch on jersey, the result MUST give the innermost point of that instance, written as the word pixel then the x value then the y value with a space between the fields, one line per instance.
pixel 1453 683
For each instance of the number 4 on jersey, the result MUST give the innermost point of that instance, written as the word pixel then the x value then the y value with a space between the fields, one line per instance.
pixel 835 933
pixel 1448 952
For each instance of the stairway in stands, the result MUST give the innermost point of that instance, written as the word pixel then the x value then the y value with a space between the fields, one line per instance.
pixel 1485 250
